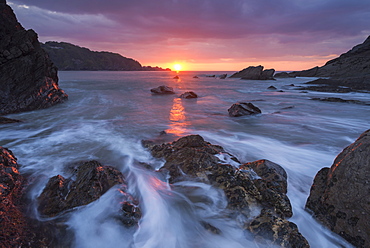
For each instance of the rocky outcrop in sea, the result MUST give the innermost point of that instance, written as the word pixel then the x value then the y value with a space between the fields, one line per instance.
pixel 28 78
pixel 255 73
pixel 339 196
pixel 260 184
pixel 351 69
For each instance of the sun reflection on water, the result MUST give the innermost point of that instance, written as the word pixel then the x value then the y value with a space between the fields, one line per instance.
pixel 177 118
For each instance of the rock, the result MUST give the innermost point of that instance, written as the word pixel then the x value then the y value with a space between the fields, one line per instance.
pixel 176 77
pixel 272 185
pixel 342 85
pixel 352 64
pixel 242 108
pixel 192 158
pixel 284 75
pixel 272 230
pixel 163 90
pixel 339 196
pixel 254 73
pixel 195 77
pixel 91 181
pixel 222 76
pixel 4 120
pixel 28 78
pixel 337 99
pixel 189 95
pixel 271 87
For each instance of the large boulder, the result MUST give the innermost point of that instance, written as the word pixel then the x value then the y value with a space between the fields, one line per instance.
pixel 28 78
pixel 163 90
pixel 91 180
pixel 339 196
pixel 243 108
pixel 189 95
pixel 254 73
pixel 192 158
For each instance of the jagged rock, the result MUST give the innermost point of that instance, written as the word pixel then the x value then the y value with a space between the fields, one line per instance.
pixel 28 78
pixel 272 185
pixel 189 95
pixel 254 73
pixel 339 196
pixel 243 108
pixel 163 90
pixel 92 181
pixel 272 230
pixel 192 158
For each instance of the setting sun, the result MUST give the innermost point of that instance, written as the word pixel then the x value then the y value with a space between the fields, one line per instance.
pixel 177 67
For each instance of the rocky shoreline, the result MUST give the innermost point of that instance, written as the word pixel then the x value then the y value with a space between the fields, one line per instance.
pixel 338 195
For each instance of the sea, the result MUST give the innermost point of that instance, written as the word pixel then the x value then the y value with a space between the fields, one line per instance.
pixel 108 114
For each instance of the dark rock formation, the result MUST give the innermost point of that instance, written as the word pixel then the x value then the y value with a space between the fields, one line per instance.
pixel 163 90
pixel 28 78
pixel 222 76
pixel 272 230
pixel 254 73
pixel 271 87
pixel 4 120
pixel 337 99
pixel 242 108
pixel 283 75
pixel 339 196
pixel 192 158
pixel 189 95
pixel 339 85
pixel 176 77
pixel 91 181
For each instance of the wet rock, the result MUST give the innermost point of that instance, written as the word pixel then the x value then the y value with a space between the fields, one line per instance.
pixel 242 108
pixel 337 99
pixel 4 120
pixel 195 77
pixel 176 77
pixel 339 196
pixel 271 87
pixel 272 185
pixel 189 95
pixel 283 75
pixel 254 73
pixel 28 78
pixel 260 184
pixel 91 181
pixel 222 76
pixel 163 90
pixel 272 230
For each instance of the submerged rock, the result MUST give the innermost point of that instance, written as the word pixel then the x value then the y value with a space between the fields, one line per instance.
pixel 163 90
pixel 28 78
pixel 189 95
pixel 339 196
pixel 260 184
pixel 243 108
pixel 4 120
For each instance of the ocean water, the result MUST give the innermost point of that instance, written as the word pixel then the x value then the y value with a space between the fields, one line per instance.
pixel 109 113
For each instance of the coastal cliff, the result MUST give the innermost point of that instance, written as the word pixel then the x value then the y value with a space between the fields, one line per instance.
pixel 28 78
pixel 69 57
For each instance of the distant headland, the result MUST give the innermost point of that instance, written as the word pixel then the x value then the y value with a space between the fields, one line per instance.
pixel 69 57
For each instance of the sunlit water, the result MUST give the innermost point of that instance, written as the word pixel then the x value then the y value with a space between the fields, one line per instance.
pixel 109 113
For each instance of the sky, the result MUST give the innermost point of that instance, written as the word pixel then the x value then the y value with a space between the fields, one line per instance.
pixel 204 35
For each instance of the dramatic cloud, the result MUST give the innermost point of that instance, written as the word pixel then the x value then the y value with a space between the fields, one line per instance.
pixel 233 32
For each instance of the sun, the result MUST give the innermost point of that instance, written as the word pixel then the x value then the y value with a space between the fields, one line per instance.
pixel 177 67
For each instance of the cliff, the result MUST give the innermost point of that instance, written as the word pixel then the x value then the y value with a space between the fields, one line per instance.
pixel 69 57
pixel 354 63
pixel 28 78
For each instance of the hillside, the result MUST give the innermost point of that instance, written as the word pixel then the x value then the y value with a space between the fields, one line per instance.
pixel 69 57
pixel 354 63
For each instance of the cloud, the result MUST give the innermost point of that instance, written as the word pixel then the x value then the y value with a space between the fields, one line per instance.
pixel 240 27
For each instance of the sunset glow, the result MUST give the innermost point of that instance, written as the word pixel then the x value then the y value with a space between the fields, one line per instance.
pixel 177 67
pixel 285 39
